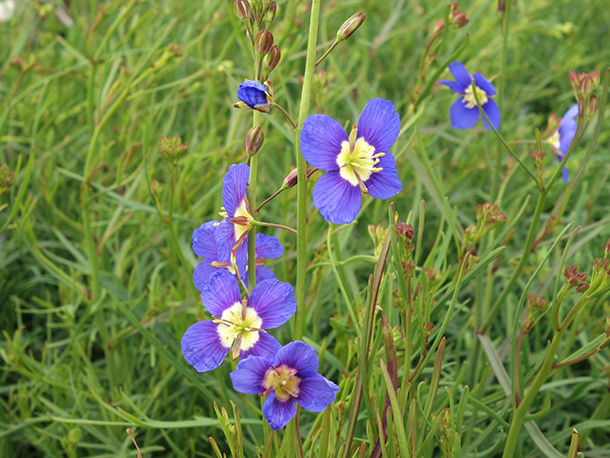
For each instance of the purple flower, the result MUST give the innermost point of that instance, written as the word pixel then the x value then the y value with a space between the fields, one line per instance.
pixel 255 96
pixel 204 246
pixel 232 231
pixel 360 163
pixel 562 138
pixel 464 111
pixel 238 323
pixel 291 376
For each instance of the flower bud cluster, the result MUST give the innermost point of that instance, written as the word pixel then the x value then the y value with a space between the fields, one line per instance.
pixel 172 149
pixel 488 216
pixel 583 86
pixel 6 179
pixel 575 279
pixel 457 18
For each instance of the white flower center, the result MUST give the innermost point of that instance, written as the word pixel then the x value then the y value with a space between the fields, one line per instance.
pixel 234 323
pixel 242 212
pixel 469 97
pixel 357 161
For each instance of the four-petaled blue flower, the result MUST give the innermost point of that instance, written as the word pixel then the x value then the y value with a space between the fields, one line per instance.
pixel 232 231
pixel 238 323
pixel 464 112
pixel 288 377
pixel 360 163
pixel 255 96
pixel 562 138
pixel 204 246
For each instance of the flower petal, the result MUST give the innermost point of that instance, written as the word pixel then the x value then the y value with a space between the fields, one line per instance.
pixel 484 83
pixel 460 73
pixel 274 302
pixel 225 239
pixel 266 346
pixel 278 413
pixel 264 273
pixel 221 292
pixel 315 391
pixel 379 124
pixel 201 346
pixel 234 187
pixel 202 274
pixel 565 175
pixel 567 132
pixel 492 111
pixel 268 247
pixel 461 117
pixel 454 86
pixel 297 355
pixel 384 184
pixel 336 198
pixel 252 93
pixel 321 140
pixel 249 374
pixel 204 241
pixel 241 257
pixel 571 113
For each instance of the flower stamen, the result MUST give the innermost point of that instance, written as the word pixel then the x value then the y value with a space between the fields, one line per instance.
pixel 357 160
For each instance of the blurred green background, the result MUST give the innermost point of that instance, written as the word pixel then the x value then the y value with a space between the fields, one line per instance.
pixel 115 76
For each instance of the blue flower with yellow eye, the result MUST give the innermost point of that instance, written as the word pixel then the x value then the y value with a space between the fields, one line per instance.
pixel 238 323
pixel 289 377
pixel 464 112
pixel 204 246
pixel 355 164
pixel 562 138
pixel 254 96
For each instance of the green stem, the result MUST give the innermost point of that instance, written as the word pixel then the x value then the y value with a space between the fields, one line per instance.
pixel 302 171
pixel 252 199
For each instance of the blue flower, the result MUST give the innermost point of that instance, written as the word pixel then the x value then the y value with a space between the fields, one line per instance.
pixel 562 138
pixel 232 231
pixel 291 376
pixel 255 96
pixel 464 111
pixel 204 246
pixel 238 323
pixel 360 163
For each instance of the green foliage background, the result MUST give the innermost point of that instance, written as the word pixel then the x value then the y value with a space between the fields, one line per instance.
pixel 70 386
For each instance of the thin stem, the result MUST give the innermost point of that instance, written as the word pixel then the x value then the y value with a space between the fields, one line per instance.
pixel 335 43
pixel 279 107
pixel 302 171
pixel 252 199
pixel 580 358
pixel 278 226
pixel 270 198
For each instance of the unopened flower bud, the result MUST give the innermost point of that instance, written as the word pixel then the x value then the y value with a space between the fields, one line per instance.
pixel 263 41
pixel 273 58
pixel 535 301
pixel 457 17
pixel 270 14
pixel 172 149
pixel 291 179
pixel 405 230
pixel 350 26
pixel 254 140
pixel 242 9
pixel 592 107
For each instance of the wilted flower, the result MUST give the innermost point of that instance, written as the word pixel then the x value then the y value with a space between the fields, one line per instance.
pixel 238 323
pixel 291 376
pixel 464 112
pixel 360 163
pixel 254 96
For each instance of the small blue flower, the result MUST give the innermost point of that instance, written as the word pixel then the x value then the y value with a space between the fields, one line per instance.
pixel 562 138
pixel 291 376
pixel 464 111
pixel 232 231
pixel 360 163
pixel 255 96
pixel 238 323
pixel 204 246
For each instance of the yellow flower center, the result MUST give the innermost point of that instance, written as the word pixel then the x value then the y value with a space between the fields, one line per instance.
pixel 239 320
pixel 554 141
pixel 243 217
pixel 469 97
pixel 357 161
pixel 283 381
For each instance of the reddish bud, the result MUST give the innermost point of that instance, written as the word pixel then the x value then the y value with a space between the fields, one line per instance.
pixel 242 9
pixel 592 107
pixel 405 230
pixel 273 58
pixel 263 41
pixel 350 26
pixel 270 14
pixel 291 179
pixel 254 140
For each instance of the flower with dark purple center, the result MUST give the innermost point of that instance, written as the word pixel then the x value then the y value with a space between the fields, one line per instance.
pixel 356 164
pixel 255 96
pixel 232 231
pixel 237 323
pixel 288 377
pixel 464 112
pixel 204 246
pixel 562 138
